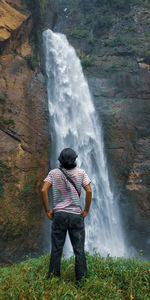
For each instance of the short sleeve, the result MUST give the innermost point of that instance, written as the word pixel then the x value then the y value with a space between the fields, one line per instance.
pixel 49 178
pixel 86 180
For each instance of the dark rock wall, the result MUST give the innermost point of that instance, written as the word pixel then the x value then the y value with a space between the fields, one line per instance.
pixel 112 40
pixel 125 118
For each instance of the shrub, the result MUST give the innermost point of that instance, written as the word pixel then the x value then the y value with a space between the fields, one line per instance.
pixel 79 32
pixel 124 64
pixel 147 56
pixel 100 18
pixel 92 42
pixel 31 62
pixel 38 9
pixel 116 42
pixel 6 123
pixel 130 28
pixel 2 98
pixel 126 41
pixel 5 174
pixel 102 22
pixel 1 189
pixel 112 68
pixel 123 4
pixel 71 5
pixel 87 61
pixel 133 69
pixel 29 187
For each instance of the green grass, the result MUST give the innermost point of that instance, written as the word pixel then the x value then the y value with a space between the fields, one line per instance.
pixel 107 279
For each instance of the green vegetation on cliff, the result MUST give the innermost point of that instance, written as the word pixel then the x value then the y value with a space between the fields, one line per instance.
pixel 37 6
pixel 119 4
pixel 107 279
pixel 109 28
pixel 87 61
pixel 38 9
pixel 103 15
pixel 5 173
pixel 5 122
pixel 79 32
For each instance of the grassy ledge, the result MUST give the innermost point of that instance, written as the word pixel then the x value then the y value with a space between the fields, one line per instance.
pixel 107 279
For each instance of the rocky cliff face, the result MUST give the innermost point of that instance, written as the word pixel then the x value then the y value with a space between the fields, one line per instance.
pixel 24 140
pixel 112 39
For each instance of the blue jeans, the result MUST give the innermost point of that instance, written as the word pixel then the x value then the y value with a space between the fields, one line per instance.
pixel 74 224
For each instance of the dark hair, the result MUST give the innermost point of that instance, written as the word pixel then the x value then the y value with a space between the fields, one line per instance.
pixel 67 158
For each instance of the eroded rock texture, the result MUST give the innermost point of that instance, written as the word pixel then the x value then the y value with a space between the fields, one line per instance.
pixel 24 140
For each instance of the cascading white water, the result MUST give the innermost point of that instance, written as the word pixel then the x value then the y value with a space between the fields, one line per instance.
pixel 74 124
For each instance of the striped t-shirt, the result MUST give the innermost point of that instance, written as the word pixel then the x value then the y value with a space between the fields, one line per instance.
pixel 65 196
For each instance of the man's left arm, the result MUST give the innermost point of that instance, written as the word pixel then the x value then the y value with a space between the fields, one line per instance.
pixel 46 186
pixel 88 199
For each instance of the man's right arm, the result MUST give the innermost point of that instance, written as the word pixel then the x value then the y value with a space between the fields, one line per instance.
pixel 45 188
pixel 88 198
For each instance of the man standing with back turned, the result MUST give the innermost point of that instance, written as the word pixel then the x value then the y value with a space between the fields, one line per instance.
pixel 67 215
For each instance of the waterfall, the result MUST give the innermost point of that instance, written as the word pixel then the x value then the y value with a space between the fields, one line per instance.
pixel 74 124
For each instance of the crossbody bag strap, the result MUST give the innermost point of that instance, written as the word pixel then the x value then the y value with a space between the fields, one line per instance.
pixel 70 180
